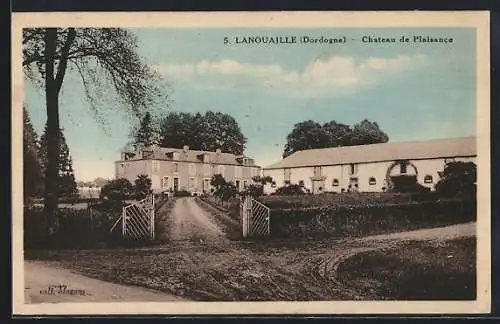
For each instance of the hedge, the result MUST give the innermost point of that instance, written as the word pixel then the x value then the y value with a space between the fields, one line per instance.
pixel 342 199
pixel 80 229
pixel 355 220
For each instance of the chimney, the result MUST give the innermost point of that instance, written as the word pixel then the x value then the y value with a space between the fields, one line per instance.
pixel 185 148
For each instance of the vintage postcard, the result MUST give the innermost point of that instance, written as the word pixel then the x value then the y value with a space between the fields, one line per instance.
pixel 251 163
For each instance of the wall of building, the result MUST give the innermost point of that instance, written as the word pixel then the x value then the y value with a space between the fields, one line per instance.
pixel 192 176
pixel 338 177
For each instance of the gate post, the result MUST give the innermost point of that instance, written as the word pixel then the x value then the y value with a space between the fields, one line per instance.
pixel 124 216
pixel 246 211
pixel 152 217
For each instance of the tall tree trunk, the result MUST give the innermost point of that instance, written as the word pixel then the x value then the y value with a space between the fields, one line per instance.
pixel 52 105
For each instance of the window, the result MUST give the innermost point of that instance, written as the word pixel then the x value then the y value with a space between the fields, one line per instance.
pixel 428 179
pixel 288 174
pixel 402 167
pixel 273 184
pixel 317 172
pixel 352 169
pixel 192 183
pixel 301 183
pixel 244 184
pixel 372 181
pixel 238 184
pixel 335 182
pixel 164 182
pixel 287 182
pixel 122 165
pixel 175 167
pixel 156 166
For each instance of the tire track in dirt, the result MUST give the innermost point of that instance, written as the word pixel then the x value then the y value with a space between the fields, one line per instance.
pixel 326 267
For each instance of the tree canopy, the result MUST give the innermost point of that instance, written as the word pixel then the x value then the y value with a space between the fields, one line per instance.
pixel 312 135
pixel 146 133
pixel 208 132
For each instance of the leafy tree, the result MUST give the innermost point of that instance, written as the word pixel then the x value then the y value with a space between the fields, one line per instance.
pixel 217 181
pixel 177 130
pixel 457 178
pixel 223 189
pixel 103 58
pixel 312 135
pixel 117 190
pixel 65 176
pixel 367 132
pixel 145 134
pixel 32 169
pixel 206 132
pixel 305 135
pixel 142 186
pixel 338 134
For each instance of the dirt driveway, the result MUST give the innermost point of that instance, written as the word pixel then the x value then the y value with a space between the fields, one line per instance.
pixel 189 222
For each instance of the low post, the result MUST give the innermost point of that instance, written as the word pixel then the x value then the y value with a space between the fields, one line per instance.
pixel 124 215
pixel 152 216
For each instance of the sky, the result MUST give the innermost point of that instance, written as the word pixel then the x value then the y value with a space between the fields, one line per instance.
pixel 414 91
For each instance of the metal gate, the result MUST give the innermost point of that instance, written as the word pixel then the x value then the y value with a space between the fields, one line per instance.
pixel 138 220
pixel 256 217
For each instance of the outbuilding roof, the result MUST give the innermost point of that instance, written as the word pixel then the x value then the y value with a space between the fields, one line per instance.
pixel 430 149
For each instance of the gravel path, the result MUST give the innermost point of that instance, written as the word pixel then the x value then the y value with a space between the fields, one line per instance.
pixel 191 223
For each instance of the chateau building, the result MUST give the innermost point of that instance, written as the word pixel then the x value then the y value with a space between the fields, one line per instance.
pixel 172 169
pixel 369 168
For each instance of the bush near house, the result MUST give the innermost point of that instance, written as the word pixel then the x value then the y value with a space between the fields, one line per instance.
pixel 292 189
pixel 358 220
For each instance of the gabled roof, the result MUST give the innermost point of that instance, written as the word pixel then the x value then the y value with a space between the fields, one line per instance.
pixel 162 153
pixel 438 148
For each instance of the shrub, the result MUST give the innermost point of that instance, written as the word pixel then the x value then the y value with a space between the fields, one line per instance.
pixel 457 178
pixel 406 183
pixel 142 187
pixel 118 189
pixel 292 189
pixel 254 190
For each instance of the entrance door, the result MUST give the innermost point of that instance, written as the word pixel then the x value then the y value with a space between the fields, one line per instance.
pixel 353 184
pixel 318 186
pixel 206 185
pixel 176 184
